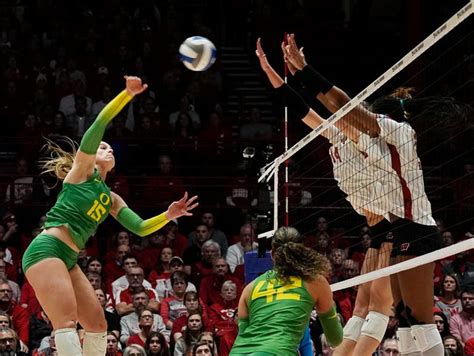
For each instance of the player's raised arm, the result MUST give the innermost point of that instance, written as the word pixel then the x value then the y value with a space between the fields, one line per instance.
pixel 332 97
pixel 85 160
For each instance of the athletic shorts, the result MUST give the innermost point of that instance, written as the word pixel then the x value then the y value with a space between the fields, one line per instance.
pixel 258 353
pixel 46 246
pixel 412 239
pixel 380 233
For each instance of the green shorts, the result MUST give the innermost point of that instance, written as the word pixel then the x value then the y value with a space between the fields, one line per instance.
pixel 47 246
pixel 258 353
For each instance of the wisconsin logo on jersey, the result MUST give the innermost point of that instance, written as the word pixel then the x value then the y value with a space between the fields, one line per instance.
pixel 404 246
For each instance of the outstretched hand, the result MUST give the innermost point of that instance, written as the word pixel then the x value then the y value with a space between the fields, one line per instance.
pixel 134 85
pixel 293 56
pixel 181 207
pixel 262 57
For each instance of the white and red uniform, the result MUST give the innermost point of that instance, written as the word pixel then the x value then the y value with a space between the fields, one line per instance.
pixel 352 174
pixel 394 162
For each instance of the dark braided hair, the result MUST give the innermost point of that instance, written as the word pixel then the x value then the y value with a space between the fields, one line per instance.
pixel 442 111
pixel 292 258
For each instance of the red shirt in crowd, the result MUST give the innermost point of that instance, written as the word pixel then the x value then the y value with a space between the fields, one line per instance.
pixel 210 288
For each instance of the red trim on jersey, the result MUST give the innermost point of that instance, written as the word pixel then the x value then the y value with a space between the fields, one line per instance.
pixel 396 165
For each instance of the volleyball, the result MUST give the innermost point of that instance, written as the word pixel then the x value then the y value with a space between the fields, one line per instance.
pixel 197 53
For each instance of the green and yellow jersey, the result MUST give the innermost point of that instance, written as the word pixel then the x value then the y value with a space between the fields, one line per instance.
pixel 81 208
pixel 278 315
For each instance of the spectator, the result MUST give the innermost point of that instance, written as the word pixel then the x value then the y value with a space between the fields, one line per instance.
pixel 162 268
pixel 95 280
pixel 173 239
pixel 209 338
pixel 113 268
pixel 16 292
pixel 163 286
pixel 123 299
pixel 166 186
pixel 28 298
pixel 185 108
pixel 40 327
pixel 389 347
pixel 25 188
pixel 113 320
pixel 223 317
pixel 173 307
pixel 211 285
pixel 134 350
pixel 448 301
pixel 94 265
pixel 79 120
pixel 442 323
pixel 194 328
pixel 156 345
pixel 145 323
pixel 18 314
pixel 461 325
pixel 255 129
pixel 215 234
pixel 210 250
pixel 112 345
pixel 203 349
pixel 10 343
pixel 123 282
pixel 336 257
pixel 129 323
pixel 68 103
pixel 452 343
pixel 469 347
pixel 193 304
pixel 192 254
pixel 47 346
pixel 236 252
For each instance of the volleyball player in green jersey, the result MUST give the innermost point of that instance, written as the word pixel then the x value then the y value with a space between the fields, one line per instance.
pixel 84 202
pixel 275 308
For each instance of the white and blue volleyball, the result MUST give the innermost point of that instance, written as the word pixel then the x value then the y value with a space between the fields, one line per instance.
pixel 197 53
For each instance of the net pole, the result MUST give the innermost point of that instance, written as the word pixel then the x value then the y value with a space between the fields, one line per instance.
pixel 275 195
pixel 287 218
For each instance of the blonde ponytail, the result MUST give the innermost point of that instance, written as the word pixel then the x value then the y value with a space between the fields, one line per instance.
pixel 58 162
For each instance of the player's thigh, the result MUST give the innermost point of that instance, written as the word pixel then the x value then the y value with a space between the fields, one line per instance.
pixel 416 288
pixel 89 311
pixel 52 284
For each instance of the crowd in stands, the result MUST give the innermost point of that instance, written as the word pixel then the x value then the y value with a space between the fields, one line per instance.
pixel 175 288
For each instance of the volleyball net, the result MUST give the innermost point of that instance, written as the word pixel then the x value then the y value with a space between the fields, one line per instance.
pixel 442 65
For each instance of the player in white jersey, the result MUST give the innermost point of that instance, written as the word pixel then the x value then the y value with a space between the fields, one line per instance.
pixel 354 179
pixel 413 226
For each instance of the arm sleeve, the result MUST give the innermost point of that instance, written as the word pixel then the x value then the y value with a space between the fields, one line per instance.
pixel 91 140
pixel 130 220
pixel 332 327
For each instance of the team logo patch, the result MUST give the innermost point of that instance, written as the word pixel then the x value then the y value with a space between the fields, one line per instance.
pixel 405 246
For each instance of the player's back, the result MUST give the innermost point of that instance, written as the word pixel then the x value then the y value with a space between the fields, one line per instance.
pixel 278 315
